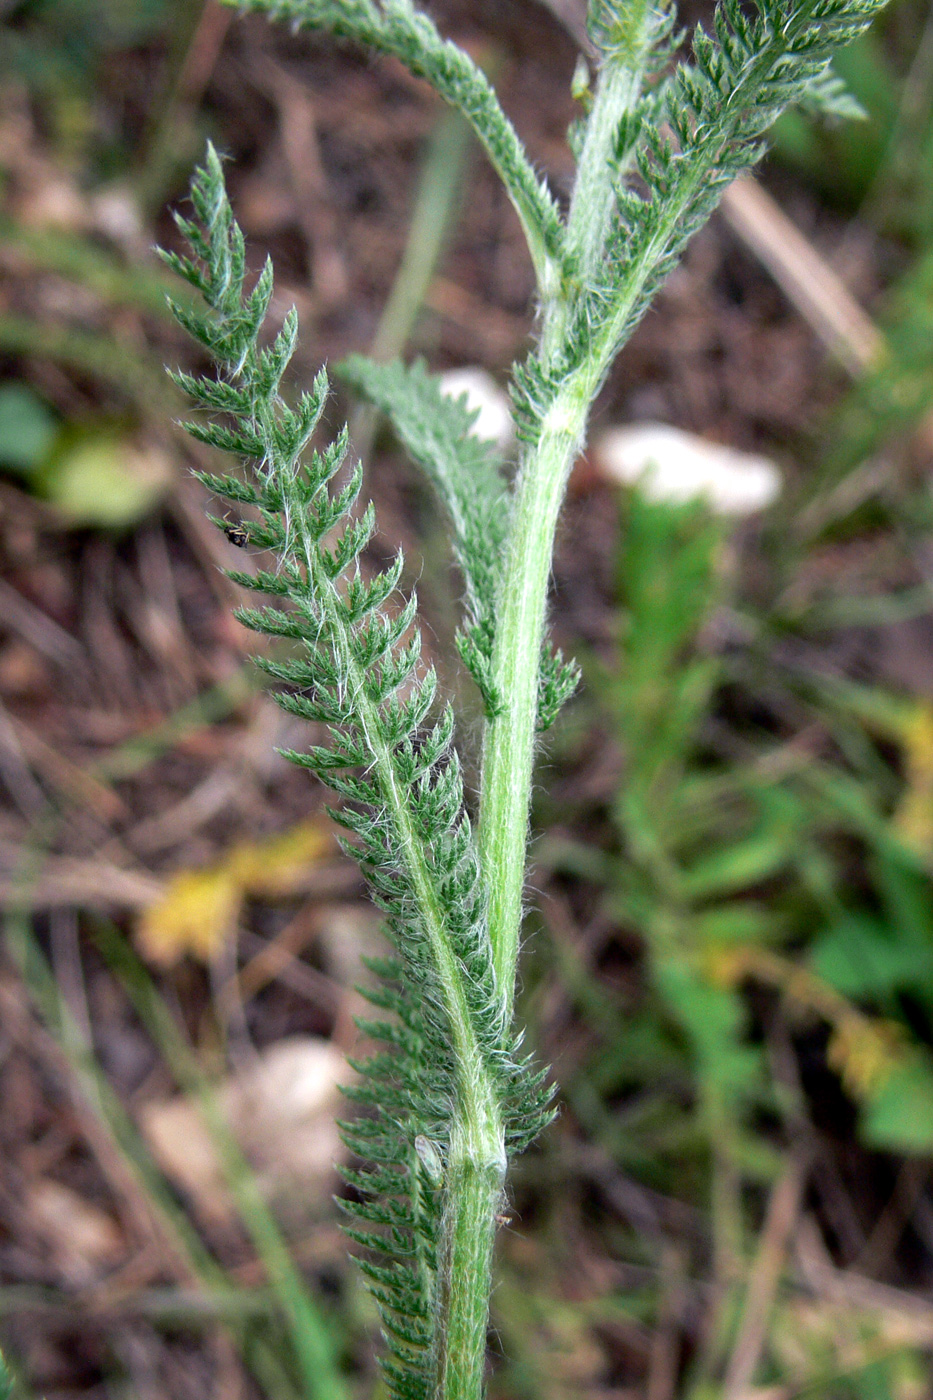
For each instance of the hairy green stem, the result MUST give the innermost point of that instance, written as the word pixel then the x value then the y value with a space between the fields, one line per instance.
pixel 621 79
pixel 620 84
pixel 509 751
pixel 475 1177
pixel 510 737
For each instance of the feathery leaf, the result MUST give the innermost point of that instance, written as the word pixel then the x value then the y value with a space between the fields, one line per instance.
pixel 357 670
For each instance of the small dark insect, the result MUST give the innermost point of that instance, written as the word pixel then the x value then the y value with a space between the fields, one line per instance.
pixel 237 535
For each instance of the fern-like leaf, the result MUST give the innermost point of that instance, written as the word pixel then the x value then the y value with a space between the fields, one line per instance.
pixel 450 1054
pixel 719 108
pixel 396 28
pixel 466 473
pixel 677 147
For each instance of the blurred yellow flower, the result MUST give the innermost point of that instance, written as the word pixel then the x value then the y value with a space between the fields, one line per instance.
pixel 198 909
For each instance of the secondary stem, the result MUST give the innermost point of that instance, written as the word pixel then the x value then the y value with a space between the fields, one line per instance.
pixel 621 79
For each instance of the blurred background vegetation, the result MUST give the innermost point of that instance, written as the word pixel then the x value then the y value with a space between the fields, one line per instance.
pixel 729 958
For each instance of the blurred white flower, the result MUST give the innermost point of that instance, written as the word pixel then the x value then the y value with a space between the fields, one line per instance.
pixel 483 395
pixel 671 465
pixel 117 214
pixel 281 1110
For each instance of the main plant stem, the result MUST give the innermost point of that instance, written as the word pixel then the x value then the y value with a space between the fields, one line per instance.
pixel 475 1177
pixel 510 737
pixel 474 1187
pixel 476 1164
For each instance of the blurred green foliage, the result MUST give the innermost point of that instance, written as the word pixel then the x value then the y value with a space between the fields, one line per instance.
pixel 98 467
pixel 780 895
pixel 27 429
pixel 61 49
pixel 736 855
pixel 843 159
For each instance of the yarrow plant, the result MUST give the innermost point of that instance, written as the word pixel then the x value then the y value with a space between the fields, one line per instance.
pixel 451 1095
